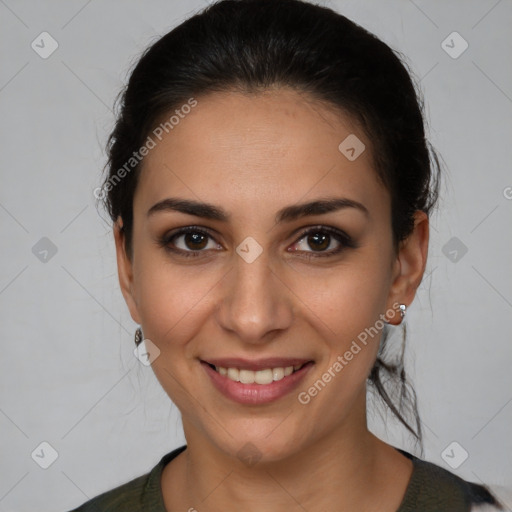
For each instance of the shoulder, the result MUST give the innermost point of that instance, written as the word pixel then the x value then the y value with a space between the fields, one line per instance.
pixel 118 499
pixel 502 493
pixel 433 488
pixel 141 493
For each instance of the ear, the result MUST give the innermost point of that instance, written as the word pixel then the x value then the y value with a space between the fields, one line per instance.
pixel 125 271
pixel 409 266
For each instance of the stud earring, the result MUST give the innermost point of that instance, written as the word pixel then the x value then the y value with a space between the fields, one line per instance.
pixel 402 308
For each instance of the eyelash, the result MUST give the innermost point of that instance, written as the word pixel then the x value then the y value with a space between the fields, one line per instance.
pixel 345 241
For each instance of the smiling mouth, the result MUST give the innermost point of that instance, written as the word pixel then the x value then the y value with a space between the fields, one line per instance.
pixel 263 376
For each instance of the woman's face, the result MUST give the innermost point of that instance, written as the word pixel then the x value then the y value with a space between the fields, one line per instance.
pixel 251 287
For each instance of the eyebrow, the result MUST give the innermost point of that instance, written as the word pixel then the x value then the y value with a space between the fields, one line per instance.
pixel 287 214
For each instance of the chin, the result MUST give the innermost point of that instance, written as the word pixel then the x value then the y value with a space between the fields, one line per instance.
pixel 256 443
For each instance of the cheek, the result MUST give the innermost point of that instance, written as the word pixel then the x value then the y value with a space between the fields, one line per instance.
pixel 173 304
pixel 353 345
pixel 171 299
pixel 350 347
pixel 346 308
pixel 346 300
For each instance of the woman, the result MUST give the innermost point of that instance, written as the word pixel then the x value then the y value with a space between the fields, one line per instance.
pixel 270 186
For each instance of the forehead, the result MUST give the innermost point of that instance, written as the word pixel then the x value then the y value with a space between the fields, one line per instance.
pixel 256 152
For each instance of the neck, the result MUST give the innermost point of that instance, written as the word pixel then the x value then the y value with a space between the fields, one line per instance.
pixel 349 469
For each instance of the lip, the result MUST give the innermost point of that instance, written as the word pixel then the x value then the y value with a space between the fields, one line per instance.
pixel 260 364
pixel 256 394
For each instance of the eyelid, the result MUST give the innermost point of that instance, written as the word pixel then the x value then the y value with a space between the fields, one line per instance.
pixel 321 227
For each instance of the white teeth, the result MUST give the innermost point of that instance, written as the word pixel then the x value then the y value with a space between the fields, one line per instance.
pixel 266 376
pixel 233 374
pixel 278 373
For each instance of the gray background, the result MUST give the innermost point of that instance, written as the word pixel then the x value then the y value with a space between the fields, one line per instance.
pixel 67 372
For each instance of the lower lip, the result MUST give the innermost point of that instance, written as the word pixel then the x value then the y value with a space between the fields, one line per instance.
pixel 256 393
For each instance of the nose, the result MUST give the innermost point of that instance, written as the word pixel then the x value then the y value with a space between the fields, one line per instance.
pixel 256 303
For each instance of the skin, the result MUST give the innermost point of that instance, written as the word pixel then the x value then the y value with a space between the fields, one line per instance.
pixel 253 155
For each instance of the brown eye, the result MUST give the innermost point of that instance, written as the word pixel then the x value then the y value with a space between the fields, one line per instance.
pixel 195 241
pixel 188 242
pixel 319 241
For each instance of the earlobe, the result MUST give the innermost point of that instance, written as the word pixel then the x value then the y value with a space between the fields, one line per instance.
pixel 412 259
pixel 125 271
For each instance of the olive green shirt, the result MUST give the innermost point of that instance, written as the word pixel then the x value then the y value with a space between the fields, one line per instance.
pixel 431 489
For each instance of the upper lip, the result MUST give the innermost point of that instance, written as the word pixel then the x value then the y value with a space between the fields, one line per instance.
pixel 260 364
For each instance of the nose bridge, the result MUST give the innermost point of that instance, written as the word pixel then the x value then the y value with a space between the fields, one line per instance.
pixel 254 301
